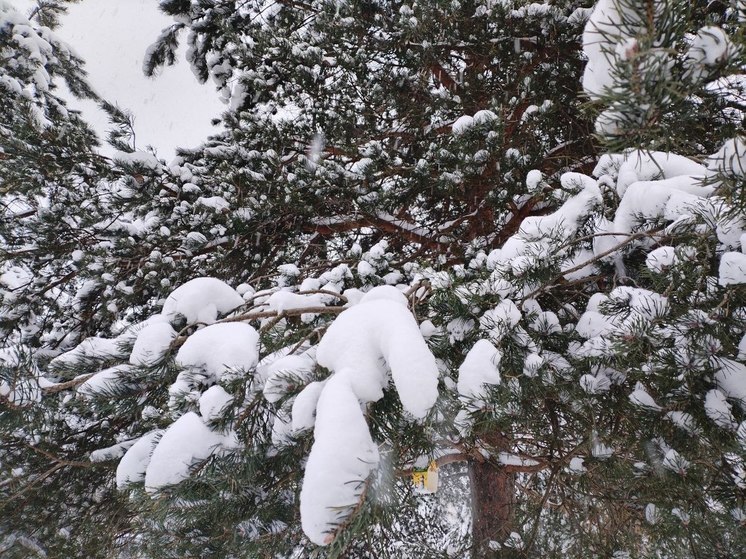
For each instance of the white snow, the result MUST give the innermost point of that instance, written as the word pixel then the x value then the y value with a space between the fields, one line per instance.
pixel 140 158
pixel 500 320
pixel 732 269
pixel 187 441
pixel 644 165
pixel 219 347
pixel 365 345
pixel 719 410
pixel 660 259
pixel 287 301
pixel 711 46
pixel 99 349
pixel 533 178
pixel 514 460
pixel 151 344
pixel 595 384
pixel 682 420
pixel 103 381
pixel 601 35
pixel 731 379
pixel 730 158
pixel 379 334
pixel 201 299
pixel 132 466
pixel 675 462
pixel 577 465
pixel 342 457
pixel 212 403
pixel 304 406
pixel 641 398
pixel 480 368
pixel 462 124
pixel 284 372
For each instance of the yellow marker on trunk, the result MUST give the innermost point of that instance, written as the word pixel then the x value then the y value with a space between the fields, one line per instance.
pixel 425 480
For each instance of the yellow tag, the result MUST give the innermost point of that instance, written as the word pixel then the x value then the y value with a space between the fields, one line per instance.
pixel 426 481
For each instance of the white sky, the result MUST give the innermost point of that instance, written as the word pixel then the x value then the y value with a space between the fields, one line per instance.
pixel 170 110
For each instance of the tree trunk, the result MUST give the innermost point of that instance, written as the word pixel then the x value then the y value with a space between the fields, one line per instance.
pixel 492 494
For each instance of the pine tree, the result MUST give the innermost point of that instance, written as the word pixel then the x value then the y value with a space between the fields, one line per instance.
pixel 388 174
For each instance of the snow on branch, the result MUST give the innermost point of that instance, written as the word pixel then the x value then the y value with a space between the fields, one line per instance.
pixel 368 343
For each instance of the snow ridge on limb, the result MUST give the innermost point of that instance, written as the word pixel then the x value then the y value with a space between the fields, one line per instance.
pixel 363 346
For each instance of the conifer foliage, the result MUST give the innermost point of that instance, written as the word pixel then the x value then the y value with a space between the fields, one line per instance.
pixel 503 238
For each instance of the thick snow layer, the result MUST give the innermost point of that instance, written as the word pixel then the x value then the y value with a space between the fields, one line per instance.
pixel 660 259
pixel 593 323
pixel 304 406
pixel 282 428
pixel 533 179
pixel 642 165
pixel 139 158
pixel 110 453
pixel 218 347
pixel 385 293
pixel 374 337
pixel 285 372
pixel 538 235
pixel 152 342
pixel 731 158
pixel 502 319
pixel 711 46
pixel 480 368
pixel 187 441
pixel 363 347
pixel 342 457
pixel 601 36
pixel 201 299
pixel 568 217
pixel 132 466
pixel 668 198
pixel 641 304
pixel 212 403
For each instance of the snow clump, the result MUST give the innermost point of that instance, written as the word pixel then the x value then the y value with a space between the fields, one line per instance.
pixel 367 345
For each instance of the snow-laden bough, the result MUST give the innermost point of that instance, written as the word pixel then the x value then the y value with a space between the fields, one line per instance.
pixel 366 345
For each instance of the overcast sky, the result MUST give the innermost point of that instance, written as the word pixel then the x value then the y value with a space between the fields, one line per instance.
pixel 170 110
